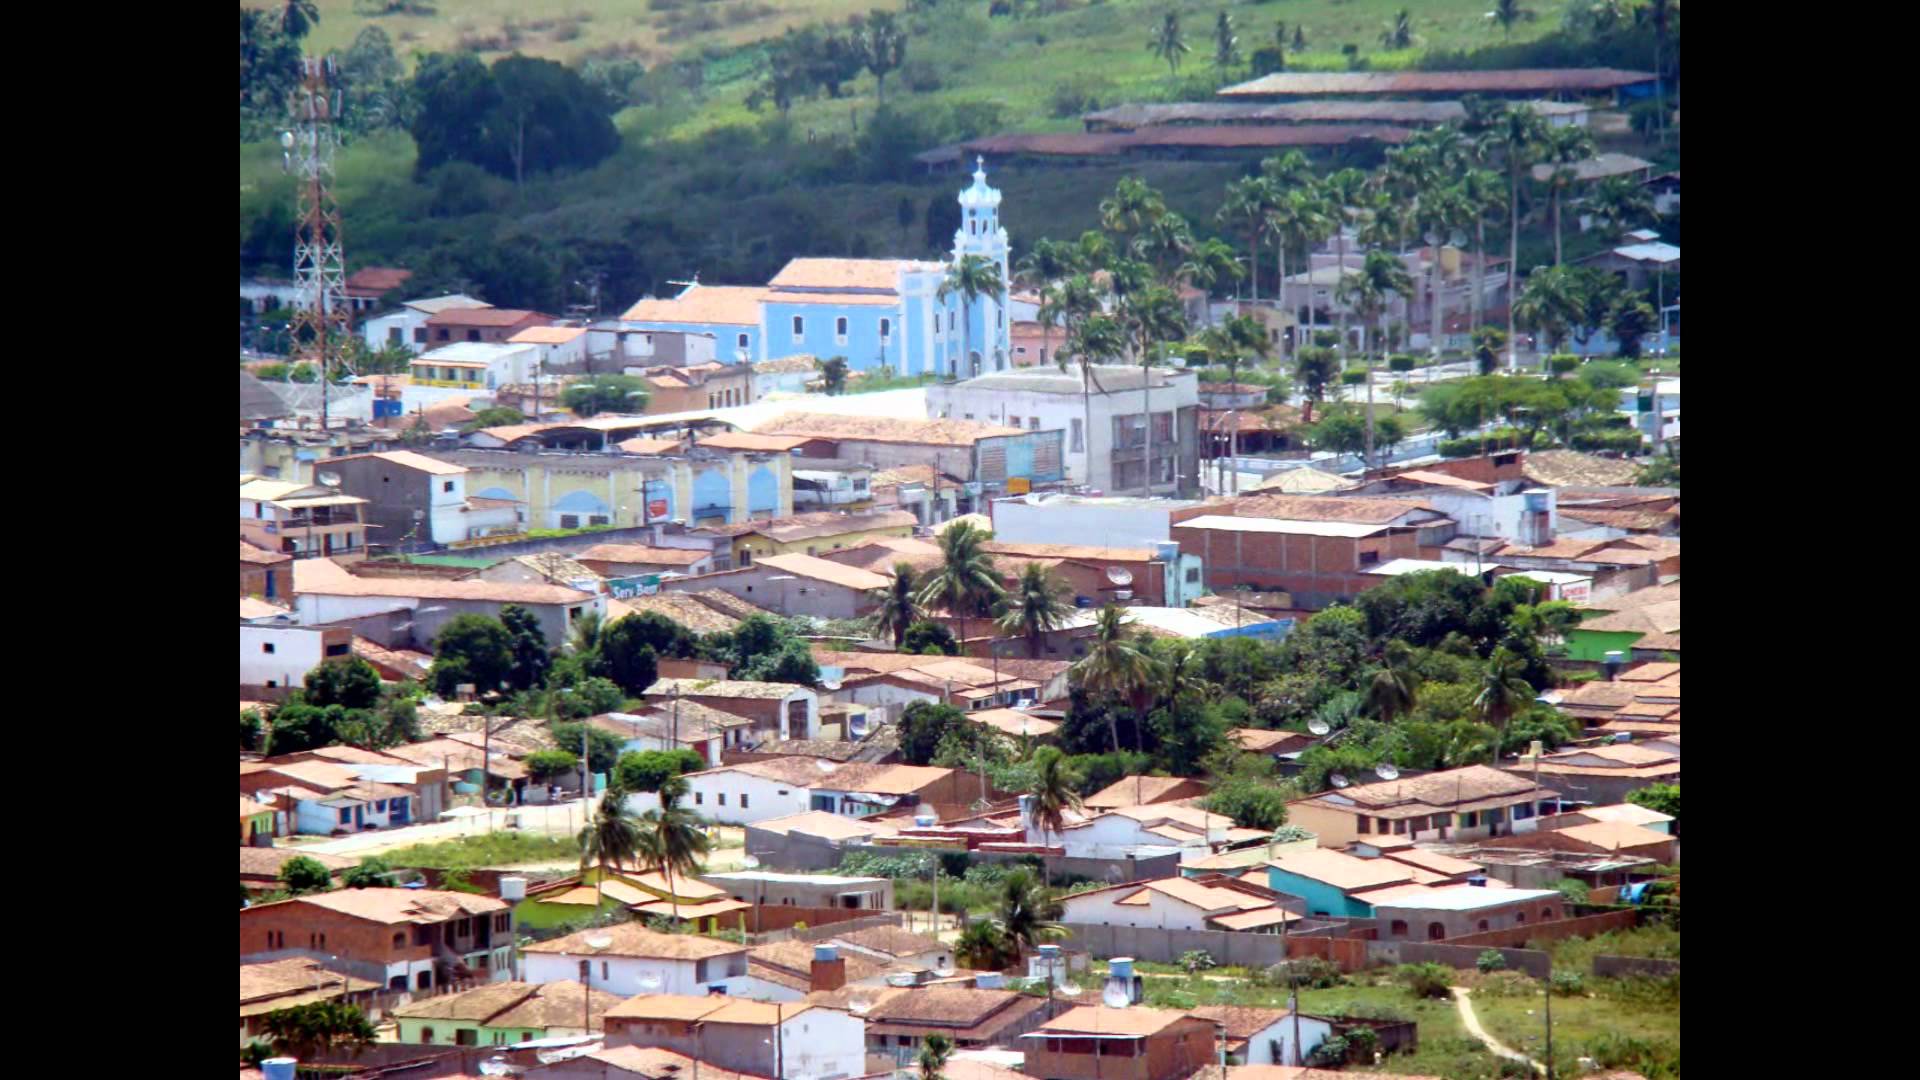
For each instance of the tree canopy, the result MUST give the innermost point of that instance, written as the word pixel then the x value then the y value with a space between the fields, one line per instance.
pixel 521 116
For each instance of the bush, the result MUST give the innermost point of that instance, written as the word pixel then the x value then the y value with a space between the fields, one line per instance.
pixel 1573 889
pixel 1426 980
pixel 546 766
pixel 1078 95
pixel 1607 442
pixel 1567 984
pixel 1330 1054
pixel 1312 972
pixel 1506 984
pixel 1490 960
pixel 920 76
pixel 646 770
pixel 1194 961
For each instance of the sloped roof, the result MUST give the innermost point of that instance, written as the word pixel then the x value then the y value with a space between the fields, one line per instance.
pixel 1348 873
pixel 822 824
pixel 810 566
pixel 883 429
pixel 728 305
pixel 1310 508
pixel 1142 790
pixel 261 556
pixel 642 553
pixel 813 273
pixel 635 940
pixel 1103 1020
pixel 395 906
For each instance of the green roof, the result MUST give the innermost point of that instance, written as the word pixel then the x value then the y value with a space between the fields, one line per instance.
pixel 464 562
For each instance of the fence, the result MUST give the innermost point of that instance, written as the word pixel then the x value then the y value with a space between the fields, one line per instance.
pixel 1584 926
pixel 1464 957
pixel 1617 967
pixel 825 929
pixel 1164 946
pixel 1349 953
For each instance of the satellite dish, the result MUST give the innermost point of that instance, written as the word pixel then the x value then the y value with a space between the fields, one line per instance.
pixel 1115 996
pixel 1319 727
pixel 599 941
pixel 1068 990
pixel 829 686
pixel 860 1008
pixel 495 1066
pixel 1339 780
pixel 330 479
pixel 750 862
pixel 1119 575
pixel 1386 771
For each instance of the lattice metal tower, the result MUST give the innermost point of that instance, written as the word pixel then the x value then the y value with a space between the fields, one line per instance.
pixel 323 316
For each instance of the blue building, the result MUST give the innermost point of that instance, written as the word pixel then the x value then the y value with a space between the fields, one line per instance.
pixel 875 312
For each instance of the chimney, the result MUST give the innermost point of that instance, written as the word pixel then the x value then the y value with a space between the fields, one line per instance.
pixel 829 971
pixel 1615 660
pixel 280 1068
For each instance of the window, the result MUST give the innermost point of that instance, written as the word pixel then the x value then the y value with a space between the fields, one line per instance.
pixel 1435 931
pixel 426 1035
pixel 400 940
pixel 473 335
pixel 1547 914
pixel 338 650
pixel 465 1036
pixel 950 318
pixel 603 970
pixel 345 816
pixel 442 335
pixel 267 648
pixel 1399 928
pixel 500 921
pixel 886 329
pixel 1369 558
pixel 999 317
pixel 393 335
pixel 598 519
pixel 1033 423
pixel 1400 827
pixel 1193 574
pixel 799 327
pixel 1079 442
pixel 1364 827
pixel 446 485
pixel 1523 811
pixel 1483 925
pixel 743 800
pixel 1470 819
pixel 699 798
pixel 1520 918
pixel 1129 432
pixel 420 335
pixel 569 521
pixel 423 980
pixel 722 796
pixel 840 330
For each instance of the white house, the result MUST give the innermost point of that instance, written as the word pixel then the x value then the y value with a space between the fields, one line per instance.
pixel 748 792
pixel 1265 1036
pixel 1111 457
pixel 1153 829
pixel 753 1038
pixel 279 653
pixel 408 325
pixel 555 346
pixel 1216 902
pixel 628 959
pixel 474 366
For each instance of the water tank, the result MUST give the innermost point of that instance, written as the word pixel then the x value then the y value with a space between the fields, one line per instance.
pixel 925 818
pixel 1120 967
pixel 1167 551
pixel 278 1068
pixel 1539 500
pixel 826 954
pixel 513 889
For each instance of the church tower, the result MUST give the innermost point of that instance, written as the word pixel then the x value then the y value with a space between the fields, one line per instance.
pixel 981 234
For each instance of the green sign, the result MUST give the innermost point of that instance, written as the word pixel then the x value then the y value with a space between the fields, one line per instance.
pixel 638 585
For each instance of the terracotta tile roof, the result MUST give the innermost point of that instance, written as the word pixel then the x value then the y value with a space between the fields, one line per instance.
pixel 1310 508
pixel 1261 741
pixel 642 553
pixel 1241 1021
pixel 1615 835
pixel 1070 551
pixel 1131 791
pixel 884 429
pixel 517 1005
pixel 843 273
pixel 377 279
pixel 646 445
pixel 723 688
pixel 280 984
pixel 251 608
pixel 261 556
pixel 267 861
pixel 546 335
pixel 801 772
pixel 817 525
pixel 654 1063
pixel 683 608
pixel 730 305
pixel 1433 860
pixel 325 577
pixel 1625 814
pixel 1014 722
pixel 483 317
pixel 393 907
pixel 879 555
pixel 818 569
pixel 409 459
pixel 1567 468
pixel 1305 480
pixel 1456 788
pixel 945 1006
pixel 883 779
pixel 892 940
pixel 746 440
pixel 1348 873
pixel 1661 618
pixel 1102 1020
pixel 635 940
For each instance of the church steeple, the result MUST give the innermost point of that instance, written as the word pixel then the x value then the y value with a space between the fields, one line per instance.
pixel 980 232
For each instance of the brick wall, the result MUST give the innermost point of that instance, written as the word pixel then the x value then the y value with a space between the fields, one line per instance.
pixel 1462 957
pixel 1583 926
pixel 253 580
pixel 1316 570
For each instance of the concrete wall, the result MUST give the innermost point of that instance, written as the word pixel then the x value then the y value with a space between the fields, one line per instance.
pixel 1165 946
pixel 1554 930
pixel 1463 957
pixel 622 974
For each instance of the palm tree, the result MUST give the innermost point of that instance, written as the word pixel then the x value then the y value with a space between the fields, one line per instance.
pixel 982 947
pixel 1314 369
pixel 1113 664
pixel 972 277
pixel 1226 46
pixel 833 374
pixel 1660 15
pixel 1097 338
pixel 1550 304
pixel 1342 193
pixel 1564 146
pixel 1168 43
pixel 1028 913
pixel 1480 194
pixel 1441 209
pixel 1617 202
pixel 1299 222
pixel 965 582
pixel 1048 260
pixel 1518 132
pixel 1381 276
pixel 1392 691
pixel 584 637
pixel 1208 264
pixel 1053 791
pixel 1399 32
pixel 895 607
pixel 883 48
pixel 298 18
pixel 612 839
pixel 1132 207
pixel 1037 605
pixel 1502 691
pixel 1507 12
pixel 1247 203
pixel 672 838
pixel 934 1051
pixel 1165 242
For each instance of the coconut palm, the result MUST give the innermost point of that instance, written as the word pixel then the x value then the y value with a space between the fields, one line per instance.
pixel 1053 791
pixel 1502 691
pixel 1563 148
pixel 1299 222
pixel 1098 338
pixel 1481 196
pixel 1132 207
pixel 1518 132
pixel 895 606
pixel 1659 14
pixel 1047 260
pixel 1367 292
pixel 1226 45
pixel 1617 203
pixel 1550 304
pixel 971 278
pixel 1392 691
pixel 1399 32
pixel 672 839
pixel 982 947
pixel 1038 604
pixel 1165 242
pixel 298 17
pixel 934 1051
pixel 1168 43
pixel 1247 203
pixel 1442 208
pixel 612 839
pixel 1114 664
pixel 1028 913
pixel 584 636
pixel 1343 193
pixel 1507 12
pixel 1209 264
pixel 965 582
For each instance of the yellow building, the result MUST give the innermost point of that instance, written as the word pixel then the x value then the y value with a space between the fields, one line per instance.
pixel 565 491
pixel 816 533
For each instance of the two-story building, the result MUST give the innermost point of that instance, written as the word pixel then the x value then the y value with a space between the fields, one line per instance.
pixel 485 325
pixel 778 710
pixel 1317 549
pixel 302 520
pixel 407 325
pixel 1114 456
pixel 403 939
pixel 1458 804
pixel 285 984
pixel 278 653
pixel 794 585
pixel 418 502
pixel 628 959
pixel 375 605
pixel 990 459
pixel 781 1041
pixel 263 573
pixel 691 387
pixel 478 367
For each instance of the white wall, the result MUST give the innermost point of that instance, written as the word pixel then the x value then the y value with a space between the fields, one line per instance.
pixel 1109 836
pixel 1016 409
pixel 623 973
pixel 1160 911
pixel 706 789
pixel 406 319
pixel 822 1044
pixel 296 651
pixel 1261 1048
pixel 1017 521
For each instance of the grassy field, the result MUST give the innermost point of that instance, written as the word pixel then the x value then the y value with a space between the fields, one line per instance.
pixel 491 849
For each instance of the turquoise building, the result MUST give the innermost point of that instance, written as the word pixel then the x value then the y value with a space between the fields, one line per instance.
pixel 875 312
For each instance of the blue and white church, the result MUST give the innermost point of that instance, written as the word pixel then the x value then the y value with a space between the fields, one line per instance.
pixel 875 312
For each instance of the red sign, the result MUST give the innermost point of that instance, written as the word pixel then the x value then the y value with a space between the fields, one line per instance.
pixel 657 508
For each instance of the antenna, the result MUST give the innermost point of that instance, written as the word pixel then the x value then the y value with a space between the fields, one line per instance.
pixel 1319 726
pixel 1386 771
pixel 1339 780
pixel 322 314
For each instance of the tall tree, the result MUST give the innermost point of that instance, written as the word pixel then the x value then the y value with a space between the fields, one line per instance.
pixel 1038 604
pixel 895 607
pixel 1298 222
pixel 1617 203
pixel 1441 209
pixel 1502 691
pixel 1132 207
pixel 1226 45
pixel 611 840
pixel 883 49
pixel 1381 277
pixel 1659 14
pixel 934 1051
pixel 1505 13
pixel 1029 912
pixel 1097 338
pixel 1343 193
pixel 1114 664
pixel 1249 200
pixel 1550 304
pixel 1168 43
pixel 1054 794
pixel 1399 32
pixel 1518 132
pixel 318 1028
pixel 1314 369
pixel 671 837
pixel 472 649
pixel 531 657
pixel 971 278
pixel 1208 265
pixel 1394 689
pixel 965 582
pixel 1480 195
pixel 298 18
pixel 1563 148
